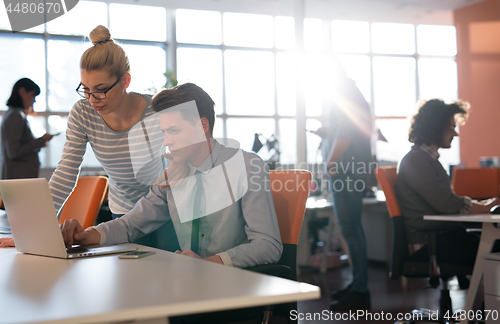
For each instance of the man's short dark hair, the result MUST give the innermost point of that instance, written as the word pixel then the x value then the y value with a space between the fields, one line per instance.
pixel 433 118
pixel 183 93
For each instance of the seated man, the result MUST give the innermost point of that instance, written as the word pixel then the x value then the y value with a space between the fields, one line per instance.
pixel 423 186
pixel 222 212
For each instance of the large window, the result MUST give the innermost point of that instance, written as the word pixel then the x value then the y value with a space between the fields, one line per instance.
pixel 419 64
pixel 393 65
pixel 248 63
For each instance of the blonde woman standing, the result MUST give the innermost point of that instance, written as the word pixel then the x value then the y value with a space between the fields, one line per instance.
pixel 104 118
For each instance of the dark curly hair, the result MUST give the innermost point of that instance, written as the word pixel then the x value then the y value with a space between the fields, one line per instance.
pixel 432 118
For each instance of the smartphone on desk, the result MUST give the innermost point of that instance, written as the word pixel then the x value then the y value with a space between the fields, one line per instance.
pixel 135 254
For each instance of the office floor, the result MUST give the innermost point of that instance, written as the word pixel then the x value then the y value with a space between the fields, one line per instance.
pixel 389 296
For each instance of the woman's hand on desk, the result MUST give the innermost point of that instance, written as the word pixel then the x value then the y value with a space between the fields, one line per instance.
pixel 73 233
pixel 483 207
pixel 6 242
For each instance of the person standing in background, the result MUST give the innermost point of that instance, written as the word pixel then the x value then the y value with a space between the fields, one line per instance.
pixel 346 149
pixel 19 147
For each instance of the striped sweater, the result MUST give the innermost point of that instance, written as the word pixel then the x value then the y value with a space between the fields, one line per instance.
pixel 131 158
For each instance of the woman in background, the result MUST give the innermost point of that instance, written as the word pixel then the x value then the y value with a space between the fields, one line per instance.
pixel 19 147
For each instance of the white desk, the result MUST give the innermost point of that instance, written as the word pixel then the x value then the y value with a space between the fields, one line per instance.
pixel 489 234
pixel 37 289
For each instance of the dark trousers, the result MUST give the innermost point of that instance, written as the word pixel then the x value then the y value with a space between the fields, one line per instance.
pixel 347 205
pixel 460 247
pixel 457 246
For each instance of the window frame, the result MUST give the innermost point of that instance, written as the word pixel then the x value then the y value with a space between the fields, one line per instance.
pixel 170 46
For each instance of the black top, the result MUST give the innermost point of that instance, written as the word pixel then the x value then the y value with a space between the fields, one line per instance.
pixel 20 149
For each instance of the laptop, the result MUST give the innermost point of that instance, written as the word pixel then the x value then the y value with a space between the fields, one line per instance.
pixel 34 225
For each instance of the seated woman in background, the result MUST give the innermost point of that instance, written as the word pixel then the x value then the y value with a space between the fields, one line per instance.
pixel 423 186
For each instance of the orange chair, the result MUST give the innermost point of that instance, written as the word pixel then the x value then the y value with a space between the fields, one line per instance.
pixel 477 183
pixel 290 190
pixel 84 202
pixel 387 177
pixel 423 263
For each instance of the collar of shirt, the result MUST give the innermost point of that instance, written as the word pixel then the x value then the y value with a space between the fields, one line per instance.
pixel 428 150
pixel 208 164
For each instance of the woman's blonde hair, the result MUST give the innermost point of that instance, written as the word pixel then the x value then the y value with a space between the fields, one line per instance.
pixel 105 54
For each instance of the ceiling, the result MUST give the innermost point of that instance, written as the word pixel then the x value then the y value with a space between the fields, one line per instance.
pixel 412 4
pixel 414 11
pixel 410 11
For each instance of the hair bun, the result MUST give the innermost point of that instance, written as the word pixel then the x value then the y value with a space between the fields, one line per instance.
pixel 100 35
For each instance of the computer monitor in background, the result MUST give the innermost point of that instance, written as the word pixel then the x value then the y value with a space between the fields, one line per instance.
pixel 489 161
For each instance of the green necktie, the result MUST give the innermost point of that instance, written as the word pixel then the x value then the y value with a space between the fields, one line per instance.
pixel 195 234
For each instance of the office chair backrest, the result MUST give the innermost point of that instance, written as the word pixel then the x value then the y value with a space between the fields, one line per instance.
pixel 387 177
pixel 290 189
pixel 477 183
pixel 84 202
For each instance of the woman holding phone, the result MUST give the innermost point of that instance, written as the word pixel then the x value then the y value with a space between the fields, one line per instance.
pixel 19 147
pixel 19 157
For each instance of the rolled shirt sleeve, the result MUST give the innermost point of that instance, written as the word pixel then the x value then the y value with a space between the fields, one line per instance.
pixel 149 214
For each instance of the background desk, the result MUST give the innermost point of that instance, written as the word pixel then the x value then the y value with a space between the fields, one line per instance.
pixel 36 289
pixel 375 221
pixel 317 207
pixel 490 233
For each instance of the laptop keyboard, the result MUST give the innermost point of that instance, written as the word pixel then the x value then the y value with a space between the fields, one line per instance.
pixel 77 250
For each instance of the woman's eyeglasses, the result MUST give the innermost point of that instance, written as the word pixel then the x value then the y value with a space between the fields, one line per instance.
pixel 99 95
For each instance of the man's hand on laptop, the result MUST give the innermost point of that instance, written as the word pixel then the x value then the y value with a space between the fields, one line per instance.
pixel 6 242
pixel 73 233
